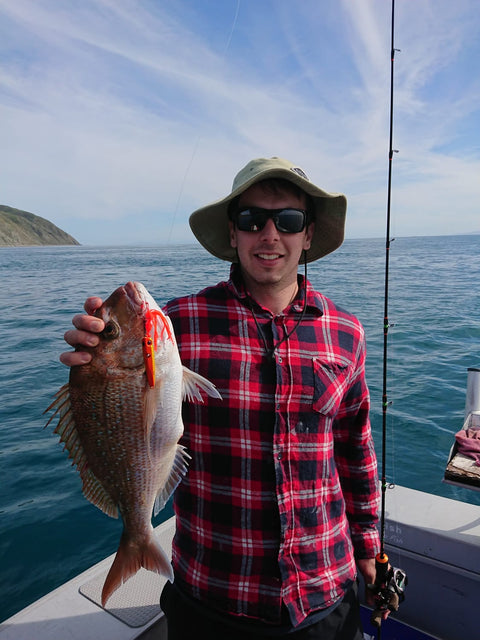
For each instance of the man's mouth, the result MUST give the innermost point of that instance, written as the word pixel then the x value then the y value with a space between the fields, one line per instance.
pixel 268 256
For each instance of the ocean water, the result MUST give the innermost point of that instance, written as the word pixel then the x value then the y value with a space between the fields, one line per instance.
pixel 48 530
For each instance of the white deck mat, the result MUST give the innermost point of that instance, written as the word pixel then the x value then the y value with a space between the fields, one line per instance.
pixel 135 603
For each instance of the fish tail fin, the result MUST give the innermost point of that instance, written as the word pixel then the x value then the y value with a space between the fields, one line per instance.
pixel 131 556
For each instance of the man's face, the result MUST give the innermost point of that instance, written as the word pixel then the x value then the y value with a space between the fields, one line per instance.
pixel 269 258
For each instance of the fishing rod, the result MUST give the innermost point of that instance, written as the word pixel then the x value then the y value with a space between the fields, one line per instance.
pixel 390 582
pixel 386 322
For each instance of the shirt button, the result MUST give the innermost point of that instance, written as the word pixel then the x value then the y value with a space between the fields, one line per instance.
pixel 279 359
pixel 279 456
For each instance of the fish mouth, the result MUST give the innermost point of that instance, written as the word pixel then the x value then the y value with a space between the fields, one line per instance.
pixel 135 295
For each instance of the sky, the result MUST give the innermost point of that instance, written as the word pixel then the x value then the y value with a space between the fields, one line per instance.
pixel 118 118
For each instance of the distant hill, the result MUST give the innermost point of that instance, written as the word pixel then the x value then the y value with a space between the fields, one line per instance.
pixel 21 228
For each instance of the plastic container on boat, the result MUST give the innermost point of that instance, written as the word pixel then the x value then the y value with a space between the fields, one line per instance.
pixel 472 401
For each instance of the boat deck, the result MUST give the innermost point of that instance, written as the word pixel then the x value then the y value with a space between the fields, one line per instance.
pixel 435 540
pixel 74 610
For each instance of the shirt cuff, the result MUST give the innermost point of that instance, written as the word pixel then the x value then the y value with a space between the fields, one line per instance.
pixel 366 542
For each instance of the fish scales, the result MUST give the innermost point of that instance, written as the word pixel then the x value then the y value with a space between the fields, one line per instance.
pixel 119 418
pixel 112 439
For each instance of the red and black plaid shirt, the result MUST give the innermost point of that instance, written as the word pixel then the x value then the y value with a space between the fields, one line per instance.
pixel 282 489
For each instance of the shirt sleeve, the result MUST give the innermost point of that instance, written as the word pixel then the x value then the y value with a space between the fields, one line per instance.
pixel 356 462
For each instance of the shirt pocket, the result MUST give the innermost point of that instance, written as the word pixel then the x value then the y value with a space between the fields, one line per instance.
pixel 331 382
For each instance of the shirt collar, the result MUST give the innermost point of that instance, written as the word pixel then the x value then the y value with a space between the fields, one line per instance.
pixel 237 287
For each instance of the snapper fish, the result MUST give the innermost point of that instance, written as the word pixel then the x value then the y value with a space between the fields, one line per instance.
pixel 119 418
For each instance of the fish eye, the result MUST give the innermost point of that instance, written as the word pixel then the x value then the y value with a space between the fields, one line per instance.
pixel 111 331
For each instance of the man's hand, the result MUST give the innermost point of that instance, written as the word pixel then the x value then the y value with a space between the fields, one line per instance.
pixel 85 334
pixel 367 569
pixel 369 573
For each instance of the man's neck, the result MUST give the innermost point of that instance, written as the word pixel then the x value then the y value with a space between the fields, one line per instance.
pixel 271 297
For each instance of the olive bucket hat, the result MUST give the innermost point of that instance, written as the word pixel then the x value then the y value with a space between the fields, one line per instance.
pixel 210 223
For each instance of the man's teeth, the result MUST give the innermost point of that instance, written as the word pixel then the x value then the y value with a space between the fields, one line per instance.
pixel 268 256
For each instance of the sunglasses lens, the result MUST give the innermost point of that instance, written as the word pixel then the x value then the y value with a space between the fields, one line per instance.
pixel 290 221
pixel 249 220
pixel 286 220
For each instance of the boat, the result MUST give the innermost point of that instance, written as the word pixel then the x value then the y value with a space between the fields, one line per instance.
pixel 435 540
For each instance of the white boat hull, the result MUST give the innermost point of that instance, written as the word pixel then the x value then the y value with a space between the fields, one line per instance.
pixel 435 540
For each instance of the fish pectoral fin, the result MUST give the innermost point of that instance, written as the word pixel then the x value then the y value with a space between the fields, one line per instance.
pixel 179 469
pixel 193 383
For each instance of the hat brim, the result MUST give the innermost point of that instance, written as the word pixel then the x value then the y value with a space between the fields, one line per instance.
pixel 210 223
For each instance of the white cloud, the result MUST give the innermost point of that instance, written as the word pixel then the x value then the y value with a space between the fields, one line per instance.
pixel 128 115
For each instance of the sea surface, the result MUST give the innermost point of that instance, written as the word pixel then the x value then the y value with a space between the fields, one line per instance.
pixel 49 532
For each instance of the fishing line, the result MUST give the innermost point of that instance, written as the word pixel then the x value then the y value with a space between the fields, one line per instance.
pixel 177 205
pixel 233 26
pixel 197 142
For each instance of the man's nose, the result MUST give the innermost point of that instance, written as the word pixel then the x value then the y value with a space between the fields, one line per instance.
pixel 269 231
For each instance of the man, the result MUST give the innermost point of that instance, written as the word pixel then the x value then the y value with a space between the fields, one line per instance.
pixel 280 503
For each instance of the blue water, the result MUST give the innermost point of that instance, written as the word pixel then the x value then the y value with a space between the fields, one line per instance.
pixel 49 532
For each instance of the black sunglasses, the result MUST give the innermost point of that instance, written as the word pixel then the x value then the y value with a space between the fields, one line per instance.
pixel 286 220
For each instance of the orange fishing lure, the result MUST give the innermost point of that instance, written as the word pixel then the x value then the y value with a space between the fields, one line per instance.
pixel 150 342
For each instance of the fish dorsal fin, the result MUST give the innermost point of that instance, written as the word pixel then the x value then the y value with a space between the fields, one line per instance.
pixel 193 383
pixel 92 488
pixel 179 469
